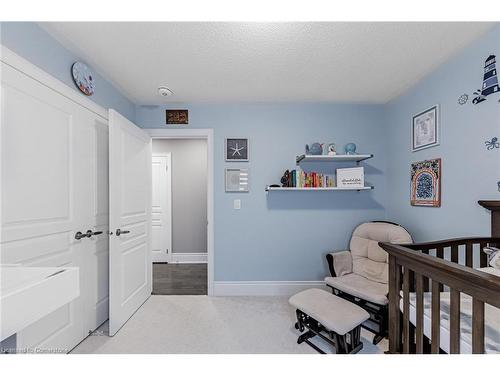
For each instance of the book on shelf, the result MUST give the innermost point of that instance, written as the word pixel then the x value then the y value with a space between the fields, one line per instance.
pixel 299 178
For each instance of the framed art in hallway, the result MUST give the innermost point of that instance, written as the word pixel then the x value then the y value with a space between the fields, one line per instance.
pixel 426 183
pixel 425 129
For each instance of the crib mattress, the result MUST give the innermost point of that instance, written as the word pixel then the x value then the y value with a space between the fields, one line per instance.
pixel 491 328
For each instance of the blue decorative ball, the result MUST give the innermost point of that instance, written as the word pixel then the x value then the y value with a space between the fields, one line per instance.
pixel 350 148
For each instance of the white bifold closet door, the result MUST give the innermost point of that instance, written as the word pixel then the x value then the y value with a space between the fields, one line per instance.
pixel 130 188
pixel 54 183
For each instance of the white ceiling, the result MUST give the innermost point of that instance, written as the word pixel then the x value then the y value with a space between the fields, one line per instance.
pixel 341 62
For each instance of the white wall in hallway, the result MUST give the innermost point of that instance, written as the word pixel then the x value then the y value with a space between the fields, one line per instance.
pixel 189 192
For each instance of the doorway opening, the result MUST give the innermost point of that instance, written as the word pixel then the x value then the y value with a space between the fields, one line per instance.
pixel 180 216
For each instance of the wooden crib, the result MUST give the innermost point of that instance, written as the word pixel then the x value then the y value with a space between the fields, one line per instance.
pixel 427 279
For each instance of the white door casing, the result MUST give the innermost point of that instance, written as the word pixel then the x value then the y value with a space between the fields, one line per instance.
pixel 130 190
pixel 51 172
pixel 207 134
pixel 162 209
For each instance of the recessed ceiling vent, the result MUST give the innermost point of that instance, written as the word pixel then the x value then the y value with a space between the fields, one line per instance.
pixel 165 91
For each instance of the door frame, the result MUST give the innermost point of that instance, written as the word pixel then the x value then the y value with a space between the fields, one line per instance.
pixel 168 157
pixel 207 134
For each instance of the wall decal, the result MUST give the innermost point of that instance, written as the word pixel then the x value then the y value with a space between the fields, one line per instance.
pixel 462 99
pixel 490 145
pixel 490 81
pixel 426 183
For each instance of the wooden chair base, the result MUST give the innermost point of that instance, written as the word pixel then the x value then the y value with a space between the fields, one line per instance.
pixel 350 343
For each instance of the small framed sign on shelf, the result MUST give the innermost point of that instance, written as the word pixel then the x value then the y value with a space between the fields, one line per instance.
pixel 351 177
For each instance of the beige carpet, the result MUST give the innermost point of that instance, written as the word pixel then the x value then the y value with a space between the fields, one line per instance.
pixel 201 324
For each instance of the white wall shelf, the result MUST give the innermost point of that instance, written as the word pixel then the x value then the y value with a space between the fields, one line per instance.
pixel 330 159
pixel 311 189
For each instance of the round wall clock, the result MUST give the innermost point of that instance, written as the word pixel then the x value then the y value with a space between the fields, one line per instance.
pixel 83 78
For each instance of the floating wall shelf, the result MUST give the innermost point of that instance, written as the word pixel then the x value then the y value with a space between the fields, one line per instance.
pixel 269 188
pixel 335 158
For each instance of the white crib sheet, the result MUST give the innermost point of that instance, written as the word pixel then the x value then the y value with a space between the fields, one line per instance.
pixel 491 329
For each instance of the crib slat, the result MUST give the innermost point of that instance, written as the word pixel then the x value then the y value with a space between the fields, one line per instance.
pixel 477 326
pixel 440 254
pixel 454 321
pixel 436 317
pixel 394 326
pixel 454 253
pixel 406 311
pixel 419 323
pixel 468 254
pixel 483 258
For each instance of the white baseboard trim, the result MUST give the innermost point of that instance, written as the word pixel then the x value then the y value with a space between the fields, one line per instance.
pixel 189 258
pixel 263 288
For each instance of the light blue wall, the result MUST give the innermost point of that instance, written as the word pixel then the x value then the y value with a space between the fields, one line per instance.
pixel 284 236
pixel 470 172
pixel 30 41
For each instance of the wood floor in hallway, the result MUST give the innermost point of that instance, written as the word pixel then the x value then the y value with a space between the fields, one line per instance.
pixel 179 279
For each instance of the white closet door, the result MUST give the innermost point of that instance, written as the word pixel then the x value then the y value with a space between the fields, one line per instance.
pixel 45 195
pixel 97 251
pixel 130 178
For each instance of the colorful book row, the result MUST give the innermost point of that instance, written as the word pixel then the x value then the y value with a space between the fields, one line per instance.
pixel 299 178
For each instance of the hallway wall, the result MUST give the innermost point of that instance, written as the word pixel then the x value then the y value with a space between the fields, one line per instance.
pixel 189 192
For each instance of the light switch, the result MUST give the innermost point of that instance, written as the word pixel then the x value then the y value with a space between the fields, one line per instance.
pixel 237 204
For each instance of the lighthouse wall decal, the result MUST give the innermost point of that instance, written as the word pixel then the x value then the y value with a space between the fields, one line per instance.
pixel 490 81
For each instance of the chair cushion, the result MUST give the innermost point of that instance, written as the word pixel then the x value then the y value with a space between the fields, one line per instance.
pixel 360 287
pixel 333 312
pixel 368 258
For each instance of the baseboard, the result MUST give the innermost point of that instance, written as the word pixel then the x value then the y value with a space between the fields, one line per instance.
pixel 189 258
pixel 263 288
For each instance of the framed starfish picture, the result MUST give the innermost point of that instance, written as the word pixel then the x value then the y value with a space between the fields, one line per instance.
pixel 236 149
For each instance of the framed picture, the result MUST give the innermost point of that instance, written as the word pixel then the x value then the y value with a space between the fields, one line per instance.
pixel 177 117
pixel 425 129
pixel 426 183
pixel 237 180
pixel 236 149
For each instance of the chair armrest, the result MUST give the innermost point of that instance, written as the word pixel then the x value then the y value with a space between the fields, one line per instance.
pixel 339 263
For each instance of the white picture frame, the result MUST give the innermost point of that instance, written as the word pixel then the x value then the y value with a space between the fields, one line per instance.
pixel 237 180
pixel 245 150
pixel 351 177
pixel 425 129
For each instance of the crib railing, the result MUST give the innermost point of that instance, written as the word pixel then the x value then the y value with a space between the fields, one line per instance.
pixel 433 266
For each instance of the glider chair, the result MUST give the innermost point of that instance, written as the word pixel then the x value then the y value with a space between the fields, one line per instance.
pixel 360 274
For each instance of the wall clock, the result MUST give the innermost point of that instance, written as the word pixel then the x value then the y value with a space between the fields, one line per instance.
pixel 83 78
pixel 236 149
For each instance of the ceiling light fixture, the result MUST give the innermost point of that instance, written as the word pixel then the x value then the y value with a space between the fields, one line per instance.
pixel 165 91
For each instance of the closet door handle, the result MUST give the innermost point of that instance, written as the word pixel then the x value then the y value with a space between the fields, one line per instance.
pixel 80 235
pixel 90 233
pixel 119 231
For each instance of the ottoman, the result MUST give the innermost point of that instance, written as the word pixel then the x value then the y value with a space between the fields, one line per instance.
pixel 332 318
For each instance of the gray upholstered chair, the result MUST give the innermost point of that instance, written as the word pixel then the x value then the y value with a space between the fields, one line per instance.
pixel 360 274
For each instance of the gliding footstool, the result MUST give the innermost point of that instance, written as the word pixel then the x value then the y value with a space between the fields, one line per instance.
pixel 332 318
